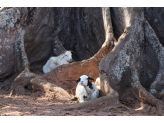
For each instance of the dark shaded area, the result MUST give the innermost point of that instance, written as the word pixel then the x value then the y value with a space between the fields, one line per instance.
pixel 155 17
pixel 38 38
pixel 78 29
pixel 123 84
pixel 82 30
pixel 150 67
pixel 149 64
pixel 118 27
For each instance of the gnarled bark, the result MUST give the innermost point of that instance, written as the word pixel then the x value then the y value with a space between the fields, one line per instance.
pixel 125 60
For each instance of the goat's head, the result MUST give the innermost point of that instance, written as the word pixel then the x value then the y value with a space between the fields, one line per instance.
pixel 84 80
pixel 67 56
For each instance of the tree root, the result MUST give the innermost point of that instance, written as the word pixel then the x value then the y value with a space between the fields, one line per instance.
pixel 42 85
pixel 95 103
pixel 112 66
pixel 21 82
pixel 108 101
pixel 144 96
pixel 107 109
pixel 137 88
pixel 111 100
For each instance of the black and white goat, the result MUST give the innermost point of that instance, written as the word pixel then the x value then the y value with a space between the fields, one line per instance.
pixel 91 89
pixel 81 93
pixel 53 62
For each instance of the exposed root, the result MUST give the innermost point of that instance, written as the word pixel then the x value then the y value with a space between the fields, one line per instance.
pixel 95 103
pixel 111 100
pixel 11 93
pixel 141 93
pixel 42 85
pixel 22 81
pixel 117 109
pixel 144 96
pixel 127 103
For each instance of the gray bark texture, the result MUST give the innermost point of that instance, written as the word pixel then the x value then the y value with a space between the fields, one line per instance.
pixel 49 31
pixel 124 46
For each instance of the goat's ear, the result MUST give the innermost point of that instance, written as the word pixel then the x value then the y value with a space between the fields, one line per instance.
pixel 89 78
pixel 72 51
pixel 90 85
pixel 78 80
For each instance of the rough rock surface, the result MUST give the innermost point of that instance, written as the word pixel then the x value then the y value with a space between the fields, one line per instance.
pixel 49 31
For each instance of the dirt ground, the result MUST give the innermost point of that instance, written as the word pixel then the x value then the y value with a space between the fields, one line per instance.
pixel 50 104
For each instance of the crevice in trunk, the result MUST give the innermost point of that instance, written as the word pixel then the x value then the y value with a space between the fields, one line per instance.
pixel 117 27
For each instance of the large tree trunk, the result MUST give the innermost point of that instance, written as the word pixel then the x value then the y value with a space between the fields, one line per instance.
pixel 31 35
pixel 135 55
pixel 35 34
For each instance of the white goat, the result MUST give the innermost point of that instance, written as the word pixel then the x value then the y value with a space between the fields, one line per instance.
pixel 81 93
pixel 91 88
pixel 53 62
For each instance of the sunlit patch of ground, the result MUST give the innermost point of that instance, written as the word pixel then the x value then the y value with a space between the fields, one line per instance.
pixel 39 104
